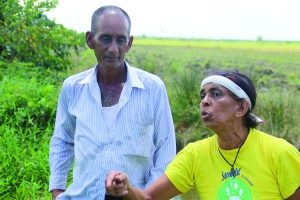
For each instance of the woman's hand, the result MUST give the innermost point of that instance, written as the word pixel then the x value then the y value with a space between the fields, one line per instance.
pixel 117 184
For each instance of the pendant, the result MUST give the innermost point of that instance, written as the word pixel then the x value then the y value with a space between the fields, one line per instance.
pixel 233 171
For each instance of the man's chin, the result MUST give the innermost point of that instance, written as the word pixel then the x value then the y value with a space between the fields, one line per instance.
pixel 113 64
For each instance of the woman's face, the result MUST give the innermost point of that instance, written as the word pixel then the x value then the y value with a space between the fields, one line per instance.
pixel 217 107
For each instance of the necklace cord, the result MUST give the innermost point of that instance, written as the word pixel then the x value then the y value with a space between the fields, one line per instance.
pixel 232 165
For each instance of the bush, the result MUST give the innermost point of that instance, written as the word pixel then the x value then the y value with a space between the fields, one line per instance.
pixel 278 109
pixel 27 112
pixel 27 101
pixel 27 35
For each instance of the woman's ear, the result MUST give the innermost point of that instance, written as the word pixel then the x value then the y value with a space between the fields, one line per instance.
pixel 89 40
pixel 243 108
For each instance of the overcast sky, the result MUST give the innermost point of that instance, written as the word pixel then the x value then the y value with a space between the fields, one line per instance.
pixel 205 19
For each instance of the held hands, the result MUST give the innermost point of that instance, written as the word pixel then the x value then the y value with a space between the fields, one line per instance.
pixel 56 192
pixel 117 184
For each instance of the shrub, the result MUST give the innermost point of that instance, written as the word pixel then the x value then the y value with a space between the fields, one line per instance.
pixel 277 107
pixel 27 35
pixel 27 112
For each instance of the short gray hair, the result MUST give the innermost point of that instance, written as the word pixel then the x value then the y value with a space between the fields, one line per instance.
pixel 104 9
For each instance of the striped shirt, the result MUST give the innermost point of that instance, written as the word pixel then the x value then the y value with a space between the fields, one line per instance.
pixel 141 143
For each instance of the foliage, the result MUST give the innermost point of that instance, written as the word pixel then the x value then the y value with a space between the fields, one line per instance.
pixel 27 35
pixel 273 66
pixel 26 101
pixel 28 97
pixel 279 109
pixel 34 52
pixel 186 96
pixel 23 162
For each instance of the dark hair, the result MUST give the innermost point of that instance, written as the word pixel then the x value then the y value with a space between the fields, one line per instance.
pixel 247 85
pixel 104 9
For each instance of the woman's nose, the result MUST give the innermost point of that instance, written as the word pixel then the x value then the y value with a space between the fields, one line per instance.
pixel 205 101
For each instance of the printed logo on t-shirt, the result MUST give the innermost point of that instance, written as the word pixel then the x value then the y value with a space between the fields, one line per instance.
pixel 233 188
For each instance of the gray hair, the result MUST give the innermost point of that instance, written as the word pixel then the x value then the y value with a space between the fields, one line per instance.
pixel 104 9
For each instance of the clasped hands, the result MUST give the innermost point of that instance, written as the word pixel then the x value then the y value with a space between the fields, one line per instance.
pixel 117 184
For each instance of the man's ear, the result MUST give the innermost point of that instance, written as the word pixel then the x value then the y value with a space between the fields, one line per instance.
pixel 89 40
pixel 243 108
pixel 129 43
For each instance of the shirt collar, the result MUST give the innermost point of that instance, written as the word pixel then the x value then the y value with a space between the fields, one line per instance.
pixel 132 77
pixel 91 75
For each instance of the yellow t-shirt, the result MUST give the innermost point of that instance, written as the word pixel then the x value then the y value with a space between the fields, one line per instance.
pixel 267 168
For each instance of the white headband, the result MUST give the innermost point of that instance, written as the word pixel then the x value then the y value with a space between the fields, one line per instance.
pixel 229 84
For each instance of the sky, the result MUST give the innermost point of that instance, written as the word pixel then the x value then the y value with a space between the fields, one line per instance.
pixel 203 19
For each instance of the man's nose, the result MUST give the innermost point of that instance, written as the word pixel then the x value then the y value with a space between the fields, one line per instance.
pixel 113 47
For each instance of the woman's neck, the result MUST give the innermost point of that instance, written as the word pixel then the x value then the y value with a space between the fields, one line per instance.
pixel 232 138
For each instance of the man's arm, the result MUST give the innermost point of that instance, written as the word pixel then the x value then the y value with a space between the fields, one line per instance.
pixel 61 145
pixel 164 134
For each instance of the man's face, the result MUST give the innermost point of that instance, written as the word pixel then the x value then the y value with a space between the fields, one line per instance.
pixel 111 40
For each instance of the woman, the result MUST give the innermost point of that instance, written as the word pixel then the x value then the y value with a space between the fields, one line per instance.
pixel 238 162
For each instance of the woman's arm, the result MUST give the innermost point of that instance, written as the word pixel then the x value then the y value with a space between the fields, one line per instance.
pixel 295 196
pixel 162 189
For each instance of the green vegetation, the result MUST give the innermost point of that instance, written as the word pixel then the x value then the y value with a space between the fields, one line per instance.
pixel 27 35
pixel 36 55
pixel 274 67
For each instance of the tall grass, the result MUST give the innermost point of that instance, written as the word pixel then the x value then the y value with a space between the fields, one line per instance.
pixel 273 66
pixel 280 110
pixel 27 108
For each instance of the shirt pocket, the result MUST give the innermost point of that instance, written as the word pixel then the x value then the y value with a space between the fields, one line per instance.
pixel 138 154
pixel 85 147
pixel 139 140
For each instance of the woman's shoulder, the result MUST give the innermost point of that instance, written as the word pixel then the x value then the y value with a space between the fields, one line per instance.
pixel 202 145
pixel 271 142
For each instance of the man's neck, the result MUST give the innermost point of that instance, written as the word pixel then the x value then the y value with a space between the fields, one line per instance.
pixel 111 83
pixel 111 76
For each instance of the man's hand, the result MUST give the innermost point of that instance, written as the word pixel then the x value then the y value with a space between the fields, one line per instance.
pixel 55 193
pixel 117 184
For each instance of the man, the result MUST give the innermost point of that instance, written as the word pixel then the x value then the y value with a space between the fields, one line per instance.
pixel 110 117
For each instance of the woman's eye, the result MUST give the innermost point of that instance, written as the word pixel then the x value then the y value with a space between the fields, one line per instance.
pixel 202 96
pixel 216 93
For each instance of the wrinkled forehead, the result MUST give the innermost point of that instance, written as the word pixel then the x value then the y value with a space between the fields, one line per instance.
pixel 112 20
pixel 113 15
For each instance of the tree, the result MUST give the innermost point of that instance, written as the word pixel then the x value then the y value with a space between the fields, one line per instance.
pixel 27 35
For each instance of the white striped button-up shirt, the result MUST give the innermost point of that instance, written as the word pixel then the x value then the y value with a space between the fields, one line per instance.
pixel 141 143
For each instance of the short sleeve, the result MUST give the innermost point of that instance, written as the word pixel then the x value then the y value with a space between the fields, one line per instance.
pixel 180 170
pixel 287 160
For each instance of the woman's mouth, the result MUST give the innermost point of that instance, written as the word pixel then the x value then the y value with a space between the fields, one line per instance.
pixel 205 115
